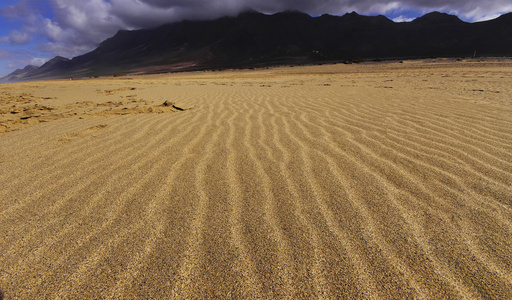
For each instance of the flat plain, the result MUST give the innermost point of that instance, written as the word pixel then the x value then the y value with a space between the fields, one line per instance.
pixel 369 181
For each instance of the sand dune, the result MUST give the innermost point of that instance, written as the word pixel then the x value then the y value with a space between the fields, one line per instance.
pixel 383 181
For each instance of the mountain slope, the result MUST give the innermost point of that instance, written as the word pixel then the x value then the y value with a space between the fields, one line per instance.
pixel 19 74
pixel 255 39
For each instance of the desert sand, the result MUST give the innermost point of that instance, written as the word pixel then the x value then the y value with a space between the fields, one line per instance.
pixel 369 181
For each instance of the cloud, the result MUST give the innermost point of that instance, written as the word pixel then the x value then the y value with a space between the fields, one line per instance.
pixel 21 10
pixel 37 61
pixel 402 19
pixel 16 59
pixel 151 13
pixel 4 54
pixel 17 37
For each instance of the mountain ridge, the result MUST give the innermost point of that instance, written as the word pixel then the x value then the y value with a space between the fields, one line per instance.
pixel 253 39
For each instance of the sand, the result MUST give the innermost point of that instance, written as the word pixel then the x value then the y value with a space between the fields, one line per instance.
pixel 370 181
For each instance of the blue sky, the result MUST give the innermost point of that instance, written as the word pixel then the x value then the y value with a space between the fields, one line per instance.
pixel 34 31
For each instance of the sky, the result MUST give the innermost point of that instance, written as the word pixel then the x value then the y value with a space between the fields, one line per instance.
pixel 34 31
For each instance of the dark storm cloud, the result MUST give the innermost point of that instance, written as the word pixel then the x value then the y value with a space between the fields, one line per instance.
pixel 147 12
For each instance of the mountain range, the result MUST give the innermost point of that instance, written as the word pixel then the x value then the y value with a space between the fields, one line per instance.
pixel 253 39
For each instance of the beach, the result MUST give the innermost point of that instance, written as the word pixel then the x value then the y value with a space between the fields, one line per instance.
pixel 388 180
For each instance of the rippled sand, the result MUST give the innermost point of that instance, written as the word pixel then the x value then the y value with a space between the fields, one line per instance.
pixel 365 181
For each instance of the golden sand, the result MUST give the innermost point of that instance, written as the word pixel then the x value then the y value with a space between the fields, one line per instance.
pixel 383 181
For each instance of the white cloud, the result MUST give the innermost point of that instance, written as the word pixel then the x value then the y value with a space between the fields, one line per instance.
pixel 52 30
pixel 383 8
pixel 37 61
pixel 487 12
pixel 17 37
pixel 402 19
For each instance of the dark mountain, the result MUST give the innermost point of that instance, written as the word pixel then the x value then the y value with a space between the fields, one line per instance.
pixel 438 19
pixel 19 74
pixel 58 62
pixel 253 39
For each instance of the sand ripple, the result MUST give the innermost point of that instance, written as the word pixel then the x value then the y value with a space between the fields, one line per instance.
pixel 372 181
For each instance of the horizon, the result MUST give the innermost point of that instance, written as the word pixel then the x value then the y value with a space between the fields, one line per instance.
pixel 34 32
